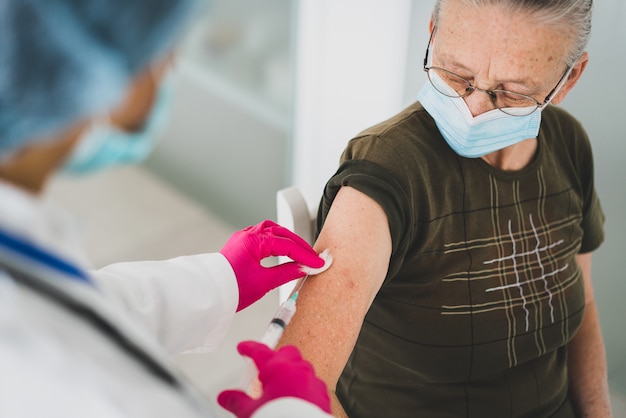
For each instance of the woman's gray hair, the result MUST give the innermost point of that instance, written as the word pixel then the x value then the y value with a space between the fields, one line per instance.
pixel 575 15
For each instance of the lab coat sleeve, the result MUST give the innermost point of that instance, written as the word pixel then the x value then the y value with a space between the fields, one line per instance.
pixel 187 302
pixel 289 408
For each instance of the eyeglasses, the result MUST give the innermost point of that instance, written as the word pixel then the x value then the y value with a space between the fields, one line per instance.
pixel 512 103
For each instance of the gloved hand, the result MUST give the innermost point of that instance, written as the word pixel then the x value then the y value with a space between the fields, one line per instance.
pixel 282 373
pixel 245 249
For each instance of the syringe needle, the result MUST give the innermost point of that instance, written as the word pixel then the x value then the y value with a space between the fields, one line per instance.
pixel 299 285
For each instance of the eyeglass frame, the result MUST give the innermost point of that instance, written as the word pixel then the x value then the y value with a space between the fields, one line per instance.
pixel 491 93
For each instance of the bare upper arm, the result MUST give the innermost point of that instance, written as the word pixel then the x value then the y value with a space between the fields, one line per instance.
pixel 584 262
pixel 331 306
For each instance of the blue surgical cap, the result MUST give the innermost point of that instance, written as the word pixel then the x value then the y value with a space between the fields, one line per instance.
pixel 63 60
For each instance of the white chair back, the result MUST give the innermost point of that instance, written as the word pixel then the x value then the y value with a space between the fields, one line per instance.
pixel 293 213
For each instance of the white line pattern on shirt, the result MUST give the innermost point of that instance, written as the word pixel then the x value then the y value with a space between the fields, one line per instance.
pixel 543 277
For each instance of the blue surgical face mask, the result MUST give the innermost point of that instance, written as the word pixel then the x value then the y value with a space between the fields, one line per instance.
pixel 104 145
pixel 474 137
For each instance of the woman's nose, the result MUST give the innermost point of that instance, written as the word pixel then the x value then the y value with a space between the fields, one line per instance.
pixel 479 102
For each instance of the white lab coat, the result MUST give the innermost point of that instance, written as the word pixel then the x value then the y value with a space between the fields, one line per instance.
pixel 61 361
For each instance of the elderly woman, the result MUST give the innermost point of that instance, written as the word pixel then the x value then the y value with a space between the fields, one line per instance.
pixel 462 231
pixel 81 89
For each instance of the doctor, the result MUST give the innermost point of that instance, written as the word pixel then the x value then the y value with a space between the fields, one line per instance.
pixel 83 85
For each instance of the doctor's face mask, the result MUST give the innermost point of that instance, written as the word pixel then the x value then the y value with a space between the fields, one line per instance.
pixel 104 145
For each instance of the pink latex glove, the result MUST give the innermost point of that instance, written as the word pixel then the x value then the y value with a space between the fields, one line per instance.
pixel 245 249
pixel 282 373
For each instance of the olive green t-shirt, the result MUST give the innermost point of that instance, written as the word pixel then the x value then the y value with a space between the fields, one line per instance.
pixel 483 291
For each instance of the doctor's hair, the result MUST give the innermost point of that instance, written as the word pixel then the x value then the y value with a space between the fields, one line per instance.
pixel 573 16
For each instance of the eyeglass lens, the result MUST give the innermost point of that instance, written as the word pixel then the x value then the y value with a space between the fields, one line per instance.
pixel 453 85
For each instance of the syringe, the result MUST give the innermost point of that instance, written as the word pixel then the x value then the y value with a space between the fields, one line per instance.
pixel 279 322
pixel 282 318
pixel 272 334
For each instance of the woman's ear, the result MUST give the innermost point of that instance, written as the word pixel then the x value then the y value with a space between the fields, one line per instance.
pixel 572 79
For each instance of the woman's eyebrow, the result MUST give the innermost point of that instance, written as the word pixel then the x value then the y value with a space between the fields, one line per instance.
pixel 524 84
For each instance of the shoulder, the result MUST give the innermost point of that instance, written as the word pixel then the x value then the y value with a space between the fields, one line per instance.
pixel 564 133
pixel 556 121
pixel 408 135
pixel 392 163
pixel 411 117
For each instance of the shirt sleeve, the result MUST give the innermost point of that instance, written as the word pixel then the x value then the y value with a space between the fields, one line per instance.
pixel 593 225
pixel 187 303
pixel 384 188
pixel 593 216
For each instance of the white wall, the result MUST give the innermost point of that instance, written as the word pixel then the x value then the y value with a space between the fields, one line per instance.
pixel 229 140
pixel 351 60
pixel 228 158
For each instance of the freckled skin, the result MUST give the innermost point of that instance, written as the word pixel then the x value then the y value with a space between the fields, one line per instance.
pixel 495 54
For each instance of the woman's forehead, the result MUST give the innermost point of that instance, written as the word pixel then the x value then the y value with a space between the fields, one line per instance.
pixel 479 37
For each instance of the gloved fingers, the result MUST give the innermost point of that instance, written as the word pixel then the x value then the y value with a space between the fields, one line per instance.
pixel 305 253
pixel 276 240
pixel 288 374
pixel 283 273
pixel 289 353
pixel 237 402
pixel 258 352
pixel 287 361
pixel 283 232
pixel 261 226
pixel 259 229
pixel 286 246
pixel 285 366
